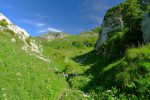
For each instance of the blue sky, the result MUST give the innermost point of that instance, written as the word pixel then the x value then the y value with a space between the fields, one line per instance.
pixel 41 16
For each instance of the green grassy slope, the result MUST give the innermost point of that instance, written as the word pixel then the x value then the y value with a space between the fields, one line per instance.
pixel 119 72
pixel 25 77
pixel 65 55
pixel 95 75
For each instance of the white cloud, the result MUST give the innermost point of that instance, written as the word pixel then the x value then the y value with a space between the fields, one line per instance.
pixel 96 18
pixel 49 29
pixel 40 16
pixel 27 21
pixel 36 24
pixel 40 24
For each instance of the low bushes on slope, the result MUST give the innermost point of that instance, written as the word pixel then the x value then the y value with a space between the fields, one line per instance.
pixel 131 74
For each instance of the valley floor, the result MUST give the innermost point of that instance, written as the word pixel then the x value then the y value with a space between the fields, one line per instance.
pixel 74 71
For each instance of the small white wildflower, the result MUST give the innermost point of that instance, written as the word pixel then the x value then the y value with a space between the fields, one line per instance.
pixel 13 40
pixel 85 95
pixel 108 91
pixel 4 95
pixel 18 74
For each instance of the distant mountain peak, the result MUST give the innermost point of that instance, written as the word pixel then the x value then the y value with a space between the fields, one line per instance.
pixel 54 35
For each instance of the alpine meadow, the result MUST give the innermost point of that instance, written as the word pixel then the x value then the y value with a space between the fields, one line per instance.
pixel 110 61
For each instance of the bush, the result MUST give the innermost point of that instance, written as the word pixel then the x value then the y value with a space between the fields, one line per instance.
pixel 3 23
pixel 28 40
pixel 122 79
pixel 112 94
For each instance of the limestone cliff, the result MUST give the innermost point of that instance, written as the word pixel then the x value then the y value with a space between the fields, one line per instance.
pixel 29 44
pixel 121 28
pixel 110 23
pixel 145 27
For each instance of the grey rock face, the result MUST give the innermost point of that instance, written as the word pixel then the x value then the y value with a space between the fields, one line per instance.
pixel 110 23
pixel 22 34
pixel 145 27
pixel 54 35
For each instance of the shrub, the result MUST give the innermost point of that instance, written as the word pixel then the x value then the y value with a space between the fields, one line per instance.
pixel 9 32
pixel 122 79
pixel 28 40
pixel 3 23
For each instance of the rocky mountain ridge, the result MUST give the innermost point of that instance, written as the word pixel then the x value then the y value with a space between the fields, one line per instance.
pixel 21 32
pixel 29 44
pixel 54 35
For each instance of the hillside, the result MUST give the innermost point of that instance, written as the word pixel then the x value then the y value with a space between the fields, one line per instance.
pixel 111 62
pixel 24 73
pixel 24 76
pixel 27 74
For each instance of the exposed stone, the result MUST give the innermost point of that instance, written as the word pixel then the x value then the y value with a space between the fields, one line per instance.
pixel 54 35
pixel 145 27
pixel 146 2
pixel 110 23
pixel 22 34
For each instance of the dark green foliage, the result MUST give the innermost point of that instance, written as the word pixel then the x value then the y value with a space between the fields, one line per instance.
pixel 28 40
pixel 3 23
pixel 118 41
pixel 114 46
pixel 131 74
pixel 8 31
pixel 101 93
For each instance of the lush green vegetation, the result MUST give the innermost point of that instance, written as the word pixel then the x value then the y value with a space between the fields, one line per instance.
pixel 90 75
pixel 121 65
pixel 66 55
pixel 120 70
pixel 23 76
pixel 130 75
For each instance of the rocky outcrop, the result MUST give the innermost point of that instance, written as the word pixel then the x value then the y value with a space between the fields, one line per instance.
pixel 126 19
pixel 145 27
pixel 54 35
pixel 145 2
pixel 29 44
pixel 23 35
pixel 110 23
